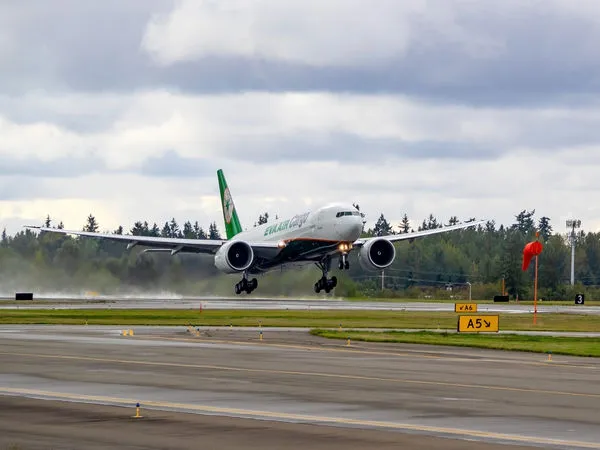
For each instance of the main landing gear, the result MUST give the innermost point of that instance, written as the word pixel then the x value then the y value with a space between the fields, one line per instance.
pixel 324 283
pixel 246 285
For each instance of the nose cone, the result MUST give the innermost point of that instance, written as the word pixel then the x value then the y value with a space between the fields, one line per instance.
pixel 356 228
pixel 350 228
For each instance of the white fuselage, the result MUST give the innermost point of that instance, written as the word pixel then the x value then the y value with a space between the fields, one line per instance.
pixel 335 223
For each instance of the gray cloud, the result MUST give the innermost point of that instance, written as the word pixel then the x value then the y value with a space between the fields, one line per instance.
pixel 171 164
pixel 337 146
pixel 57 168
pixel 546 56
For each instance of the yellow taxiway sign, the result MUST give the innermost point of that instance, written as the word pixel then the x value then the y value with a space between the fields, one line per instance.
pixel 465 307
pixel 478 324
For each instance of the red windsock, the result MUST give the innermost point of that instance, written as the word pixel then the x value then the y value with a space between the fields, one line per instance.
pixel 532 249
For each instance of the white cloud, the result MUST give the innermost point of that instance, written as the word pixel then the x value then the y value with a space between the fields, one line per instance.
pixel 335 32
pixel 489 189
pixel 148 124
pixel 145 147
pixel 541 158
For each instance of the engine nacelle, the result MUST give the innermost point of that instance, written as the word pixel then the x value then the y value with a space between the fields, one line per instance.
pixel 233 257
pixel 377 254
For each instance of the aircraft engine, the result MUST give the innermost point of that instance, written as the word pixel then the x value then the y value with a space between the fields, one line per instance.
pixel 233 257
pixel 377 254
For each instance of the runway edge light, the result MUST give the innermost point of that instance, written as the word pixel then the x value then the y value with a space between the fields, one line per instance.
pixel 137 412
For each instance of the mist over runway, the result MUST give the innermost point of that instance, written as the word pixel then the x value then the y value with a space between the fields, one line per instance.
pixel 290 377
pixel 285 303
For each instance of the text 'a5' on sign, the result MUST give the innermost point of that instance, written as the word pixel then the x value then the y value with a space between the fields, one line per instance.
pixel 478 324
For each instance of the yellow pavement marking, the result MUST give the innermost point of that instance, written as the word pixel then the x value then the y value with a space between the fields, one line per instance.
pixel 149 404
pixel 301 373
pixel 420 354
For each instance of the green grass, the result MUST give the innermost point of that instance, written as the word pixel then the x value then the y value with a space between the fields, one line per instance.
pixel 575 346
pixel 286 318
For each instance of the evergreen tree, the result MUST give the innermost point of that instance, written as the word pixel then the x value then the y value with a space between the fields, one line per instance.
pixel 47 222
pixel 544 228
pixel 154 231
pixel 553 263
pixel 199 232
pixel 213 231
pixel 91 225
pixel 175 231
pixel 592 252
pixel 60 226
pixel 453 221
pixel 432 223
pixel 525 223
pixel 511 264
pixel 490 226
pixel 188 230
pixel 166 230
pixel 404 224
pixel 480 255
pixel 382 227
pixel 137 229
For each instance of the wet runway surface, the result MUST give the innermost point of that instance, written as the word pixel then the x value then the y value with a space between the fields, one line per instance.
pixel 257 303
pixel 295 382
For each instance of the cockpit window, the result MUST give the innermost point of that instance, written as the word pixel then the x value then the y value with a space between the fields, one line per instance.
pixel 347 213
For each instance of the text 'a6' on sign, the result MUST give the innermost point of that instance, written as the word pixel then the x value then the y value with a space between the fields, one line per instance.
pixel 465 307
pixel 478 324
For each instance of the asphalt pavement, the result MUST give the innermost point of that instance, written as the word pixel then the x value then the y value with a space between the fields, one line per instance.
pixel 288 390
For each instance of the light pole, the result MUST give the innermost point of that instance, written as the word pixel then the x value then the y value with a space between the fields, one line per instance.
pixel 572 224
pixel 469 290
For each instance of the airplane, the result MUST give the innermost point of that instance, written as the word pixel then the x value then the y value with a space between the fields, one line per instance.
pixel 311 237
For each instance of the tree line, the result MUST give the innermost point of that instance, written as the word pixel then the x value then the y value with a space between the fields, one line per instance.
pixel 434 266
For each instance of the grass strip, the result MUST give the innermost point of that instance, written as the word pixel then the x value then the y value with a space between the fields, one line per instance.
pixel 575 346
pixel 292 318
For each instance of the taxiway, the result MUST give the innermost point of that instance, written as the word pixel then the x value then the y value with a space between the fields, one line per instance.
pixel 289 388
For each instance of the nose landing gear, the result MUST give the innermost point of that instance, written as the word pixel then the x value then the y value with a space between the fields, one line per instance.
pixel 344 264
pixel 344 248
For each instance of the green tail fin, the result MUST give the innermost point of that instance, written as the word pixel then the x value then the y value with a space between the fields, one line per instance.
pixel 232 223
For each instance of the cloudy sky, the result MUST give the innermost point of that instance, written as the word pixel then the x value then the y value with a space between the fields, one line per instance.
pixel 451 107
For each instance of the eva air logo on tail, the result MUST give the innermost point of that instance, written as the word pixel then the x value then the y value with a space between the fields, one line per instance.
pixel 227 205
pixel 232 222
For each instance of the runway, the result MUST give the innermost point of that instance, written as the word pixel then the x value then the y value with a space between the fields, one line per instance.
pixel 254 303
pixel 288 390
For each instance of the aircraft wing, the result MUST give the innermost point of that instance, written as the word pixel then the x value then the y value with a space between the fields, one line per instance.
pixel 174 245
pixel 418 234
